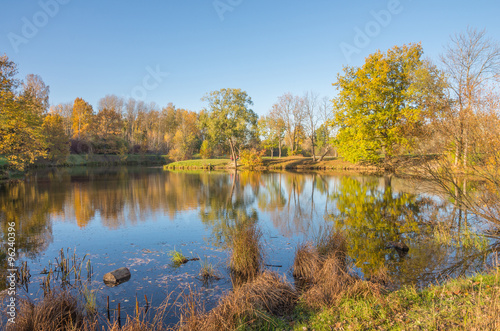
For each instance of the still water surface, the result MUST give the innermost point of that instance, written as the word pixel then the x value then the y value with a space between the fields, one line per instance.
pixel 134 217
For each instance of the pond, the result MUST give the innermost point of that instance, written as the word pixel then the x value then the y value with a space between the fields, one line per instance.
pixel 134 217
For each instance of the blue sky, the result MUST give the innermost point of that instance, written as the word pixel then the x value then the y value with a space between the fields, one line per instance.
pixel 178 50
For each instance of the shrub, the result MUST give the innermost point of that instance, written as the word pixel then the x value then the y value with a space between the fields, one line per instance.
pixel 251 158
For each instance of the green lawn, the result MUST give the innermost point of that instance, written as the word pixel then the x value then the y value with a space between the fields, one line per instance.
pixel 198 164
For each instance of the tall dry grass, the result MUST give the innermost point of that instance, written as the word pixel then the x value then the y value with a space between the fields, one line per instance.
pixel 246 255
pixel 244 306
pixel 58 311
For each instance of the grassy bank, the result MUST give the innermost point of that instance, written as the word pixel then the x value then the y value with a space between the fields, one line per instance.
pixel 199 164
pixel 461 304
pixel 284 163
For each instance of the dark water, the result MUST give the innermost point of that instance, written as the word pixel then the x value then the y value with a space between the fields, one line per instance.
pixel 134 217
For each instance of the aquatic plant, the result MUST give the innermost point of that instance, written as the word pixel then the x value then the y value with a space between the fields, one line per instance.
pixel 177 257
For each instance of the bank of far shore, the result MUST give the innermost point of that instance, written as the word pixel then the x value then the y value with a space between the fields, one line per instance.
pixel 268 163
pixel 90 160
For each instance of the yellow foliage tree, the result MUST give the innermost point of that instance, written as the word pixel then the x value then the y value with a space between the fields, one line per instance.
pixel 57 139
pixel 21 136
pixel 82 119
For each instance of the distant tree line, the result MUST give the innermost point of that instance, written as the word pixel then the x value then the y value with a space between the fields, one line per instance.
pixel 397 103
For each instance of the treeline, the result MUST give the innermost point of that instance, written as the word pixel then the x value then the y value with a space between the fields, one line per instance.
pixel 397 103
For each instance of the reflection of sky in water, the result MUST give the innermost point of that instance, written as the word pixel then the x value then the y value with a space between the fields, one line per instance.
pixel 134 217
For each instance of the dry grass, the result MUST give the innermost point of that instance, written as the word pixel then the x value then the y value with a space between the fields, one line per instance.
pixel 321 272
pixel 244 306
pixel 246 256
pixel 306 264
pixel 333 283
pixel 56 312
pixel 330 242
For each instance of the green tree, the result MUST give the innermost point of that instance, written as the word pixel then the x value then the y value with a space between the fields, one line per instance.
pixel 228 119
pixel 206 150
pixel 21 137
pixel 267 134
pixel 377 110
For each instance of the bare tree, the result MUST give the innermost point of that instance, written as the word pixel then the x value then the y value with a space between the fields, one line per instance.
pixel 112 102
pixel 311 119
pixel 290 109
pixel 472 61
pixel 325 131
pixel 35 90
pixel 472 122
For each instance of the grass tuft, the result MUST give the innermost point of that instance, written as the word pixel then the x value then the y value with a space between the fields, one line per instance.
pixel 90 300
pixel 306 263
pixel 208 271
pixel 246 256
pixel 177 257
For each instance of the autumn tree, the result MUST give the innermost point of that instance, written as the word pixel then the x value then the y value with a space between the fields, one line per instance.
pixel 228 120
pixel 376 111
pixel 57 139
pixel 65 110
pixel 107 133
pixel 21 137
pixel 82 119
pixel 186 136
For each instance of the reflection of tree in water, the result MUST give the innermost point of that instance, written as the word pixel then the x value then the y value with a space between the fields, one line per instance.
pixel 27 206
pixel 371 217
pixel 289 199
pixel 294 202
pixel 224 204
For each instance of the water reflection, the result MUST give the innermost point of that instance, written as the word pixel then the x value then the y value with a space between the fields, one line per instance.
pixel 371 211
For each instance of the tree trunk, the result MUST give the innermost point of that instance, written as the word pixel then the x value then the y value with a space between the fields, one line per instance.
pixel 323 155
pixel 233 154
pixel 466 146
pixel 312 147
pixel 279 149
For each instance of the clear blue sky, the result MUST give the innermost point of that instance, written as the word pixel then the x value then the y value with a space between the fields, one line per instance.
pixel 92 48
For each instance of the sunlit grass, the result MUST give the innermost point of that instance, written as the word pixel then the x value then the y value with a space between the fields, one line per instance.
pixel 198 163
pixel 246 256
pixel 461 304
